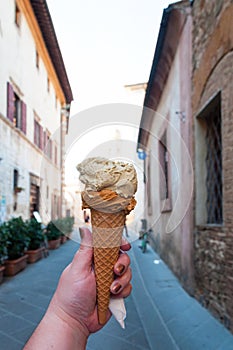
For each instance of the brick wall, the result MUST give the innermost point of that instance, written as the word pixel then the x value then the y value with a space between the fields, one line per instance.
pixel 212 72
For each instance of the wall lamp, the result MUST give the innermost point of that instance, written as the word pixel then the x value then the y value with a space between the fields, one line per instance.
pixel 141 154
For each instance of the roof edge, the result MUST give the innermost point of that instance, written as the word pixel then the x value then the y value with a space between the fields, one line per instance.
pixel 163 57
pixel 44 20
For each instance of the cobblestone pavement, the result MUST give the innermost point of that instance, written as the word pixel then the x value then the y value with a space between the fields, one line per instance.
pixel 160 314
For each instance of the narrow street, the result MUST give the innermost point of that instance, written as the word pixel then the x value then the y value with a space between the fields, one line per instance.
pixel 160 314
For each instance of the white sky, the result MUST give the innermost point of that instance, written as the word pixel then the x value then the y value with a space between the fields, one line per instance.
pixel 105 45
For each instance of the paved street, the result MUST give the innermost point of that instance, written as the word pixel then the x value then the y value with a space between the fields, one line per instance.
pixel 160 314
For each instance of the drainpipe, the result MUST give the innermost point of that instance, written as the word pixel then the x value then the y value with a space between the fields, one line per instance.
pixel 65 112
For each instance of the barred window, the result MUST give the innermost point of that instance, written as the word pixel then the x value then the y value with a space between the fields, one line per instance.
pixel 214 163
pixel 165 174
pixel 163 156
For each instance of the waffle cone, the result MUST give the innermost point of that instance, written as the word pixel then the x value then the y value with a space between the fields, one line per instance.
pixel 107 231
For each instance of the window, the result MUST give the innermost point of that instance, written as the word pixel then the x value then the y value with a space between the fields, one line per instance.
pixel 34 199
pixel 15 178
pixel 38 134
pixel 165 195
pixel 16 109
pixel 164 166
pixel 49 149
pixel 209 194
pixel 37 59
pixel 17 112
pixel 55 206
pixel 34 194
pixel 214 164
pixel 55 154
pixel 47 144
pixel 48 84
pixel 17 16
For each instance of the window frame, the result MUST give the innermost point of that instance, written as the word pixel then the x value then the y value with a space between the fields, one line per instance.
pixel 38 133
pixel 201 198
pixel 37 59
pixel 16 109
pixel 18 15
pixel 164 157
pixel 17 118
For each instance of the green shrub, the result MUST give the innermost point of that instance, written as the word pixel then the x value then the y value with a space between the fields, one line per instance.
pixel 65 224
pixel 17 240
pixel 3 243
pixel 59 227
pixel 35 233
pixel 69 223
pixel 52 231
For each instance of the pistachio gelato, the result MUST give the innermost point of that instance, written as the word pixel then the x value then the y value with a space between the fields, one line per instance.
pixel 109 185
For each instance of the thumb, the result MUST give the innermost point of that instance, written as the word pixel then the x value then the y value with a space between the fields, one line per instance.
pixel 83 258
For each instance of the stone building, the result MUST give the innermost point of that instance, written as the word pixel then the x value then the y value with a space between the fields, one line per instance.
pixel 190 92
pixel 34 108
pixel 212 93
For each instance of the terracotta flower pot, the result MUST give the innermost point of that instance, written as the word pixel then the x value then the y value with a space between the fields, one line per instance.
pixel 35 255
pixel 12 267
pixel 2 268
pixel 55 243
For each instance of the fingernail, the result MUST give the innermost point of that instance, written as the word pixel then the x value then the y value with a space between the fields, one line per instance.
pixel 120 269
pixel 116 288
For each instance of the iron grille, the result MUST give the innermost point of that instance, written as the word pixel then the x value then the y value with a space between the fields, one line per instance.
pixel 214 165
pixel 163 155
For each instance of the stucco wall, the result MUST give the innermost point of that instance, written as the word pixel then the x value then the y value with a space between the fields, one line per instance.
pixel 172 233
pixel 18 66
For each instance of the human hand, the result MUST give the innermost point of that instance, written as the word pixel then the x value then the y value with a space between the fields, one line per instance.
pixel 75 298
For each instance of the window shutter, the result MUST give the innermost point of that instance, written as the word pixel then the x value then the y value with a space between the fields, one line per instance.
pixel 45 142
pixel 51 149
pixel 10 102
pixel 23 117
pixel 34 131
pixel 41 138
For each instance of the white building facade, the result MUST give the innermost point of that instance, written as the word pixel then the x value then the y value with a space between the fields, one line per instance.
pixel 35 99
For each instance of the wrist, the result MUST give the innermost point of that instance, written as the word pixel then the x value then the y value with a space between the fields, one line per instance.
pixel 70 323
pixel 59 331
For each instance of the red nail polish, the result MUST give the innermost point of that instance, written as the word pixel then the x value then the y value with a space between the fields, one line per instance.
pixel 116 288
pixel 120 269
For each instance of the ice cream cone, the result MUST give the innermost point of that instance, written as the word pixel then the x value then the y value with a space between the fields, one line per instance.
pixel 109 194
pixel 107 231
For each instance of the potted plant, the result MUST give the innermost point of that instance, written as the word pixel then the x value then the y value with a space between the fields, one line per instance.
pixel 36 238
pixel 65 225
pixel 68 223
pixel 53 235
pixel 17 242
pixel 60 224
pixel 3 250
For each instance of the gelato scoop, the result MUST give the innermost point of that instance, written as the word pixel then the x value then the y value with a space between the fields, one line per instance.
pixel 109 185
